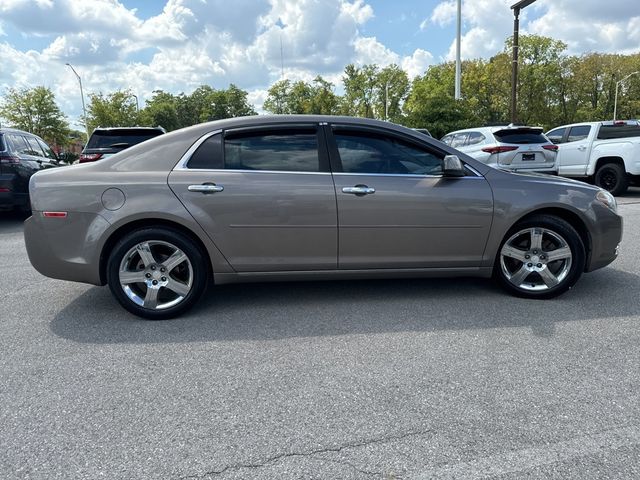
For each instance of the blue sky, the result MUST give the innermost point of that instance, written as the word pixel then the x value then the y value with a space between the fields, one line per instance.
pixel 176 45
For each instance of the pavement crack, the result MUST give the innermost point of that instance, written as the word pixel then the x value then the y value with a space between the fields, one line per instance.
pixel 310 453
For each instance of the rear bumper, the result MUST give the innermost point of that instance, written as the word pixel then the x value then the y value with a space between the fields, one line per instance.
pixel 66 248
pixel 10 195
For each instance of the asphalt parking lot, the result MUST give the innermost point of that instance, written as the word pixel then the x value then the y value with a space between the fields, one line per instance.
pixel 413 379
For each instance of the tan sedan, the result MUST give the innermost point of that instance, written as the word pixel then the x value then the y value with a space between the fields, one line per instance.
pixel 307 198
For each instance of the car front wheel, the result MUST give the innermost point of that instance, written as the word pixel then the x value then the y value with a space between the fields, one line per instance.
pixel 540 257
pixel 157 273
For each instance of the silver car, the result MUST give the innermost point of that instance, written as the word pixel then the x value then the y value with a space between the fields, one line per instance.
pixel 516 148
pixel 308 198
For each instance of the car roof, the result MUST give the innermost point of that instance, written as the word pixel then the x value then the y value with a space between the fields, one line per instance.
pixel 15 130
pixel 109 129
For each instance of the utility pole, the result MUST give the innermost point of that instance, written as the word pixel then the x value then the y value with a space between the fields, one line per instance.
pixel 615 102
pixel 516 7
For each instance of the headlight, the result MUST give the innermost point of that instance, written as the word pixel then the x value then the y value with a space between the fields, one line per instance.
pixel 607 200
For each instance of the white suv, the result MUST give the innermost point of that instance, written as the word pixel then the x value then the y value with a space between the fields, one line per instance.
pixel 516 148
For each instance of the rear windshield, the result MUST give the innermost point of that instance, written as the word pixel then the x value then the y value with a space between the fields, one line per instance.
pixel 520 136
pixel 2 147
pixel 120 138
pixel 618 131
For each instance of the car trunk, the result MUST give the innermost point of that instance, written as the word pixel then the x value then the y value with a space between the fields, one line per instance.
pixel 525 149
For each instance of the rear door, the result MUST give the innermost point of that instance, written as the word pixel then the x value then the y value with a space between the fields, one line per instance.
pixel 395 208
pixel 265 196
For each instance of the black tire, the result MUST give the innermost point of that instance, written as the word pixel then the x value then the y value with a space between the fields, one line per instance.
pixel 613 178
pixel 539 269
pixel 191 274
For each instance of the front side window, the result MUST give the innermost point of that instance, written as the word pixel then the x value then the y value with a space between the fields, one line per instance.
pixel 365 153
pixel 291 150
pixel 556 135
pixel 47 151
pixel 578 133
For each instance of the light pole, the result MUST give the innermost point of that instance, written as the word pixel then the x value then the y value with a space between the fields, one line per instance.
pixel 84 110
pixel 615 101
pixel 458 28
pixel 516 7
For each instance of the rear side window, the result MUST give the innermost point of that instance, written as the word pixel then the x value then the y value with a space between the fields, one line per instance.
pixel 3 147
pixel 520 136
pixel 475 138
pixel 578 133
pixel 365 153
pixel 290 150
pixel 17 144
pixel 120 138
pixel 209 154
pixel 556 135
pixel 618 131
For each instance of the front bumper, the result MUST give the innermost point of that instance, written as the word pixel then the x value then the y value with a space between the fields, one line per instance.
pixel 66 248
pixel 606 238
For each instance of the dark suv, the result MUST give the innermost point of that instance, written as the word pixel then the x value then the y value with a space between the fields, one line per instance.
pixel 21 155
pixel 105 142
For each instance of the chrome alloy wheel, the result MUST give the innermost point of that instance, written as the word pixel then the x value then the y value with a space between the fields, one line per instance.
pixel 535 259
pixel 156 275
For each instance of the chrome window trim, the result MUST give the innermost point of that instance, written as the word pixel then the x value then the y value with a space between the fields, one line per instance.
pixel 229 170
pixel 182 163
pixel 409 175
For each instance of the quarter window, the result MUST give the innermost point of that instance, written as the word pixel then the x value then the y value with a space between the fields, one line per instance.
pixel 447 139
pixel 208 155
pixel 459 139
pixel 361 153
pixel 293 150
pixel 578 133
pixel 475 138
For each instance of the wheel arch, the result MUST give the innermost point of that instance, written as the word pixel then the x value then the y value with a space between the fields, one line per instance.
pixel 609 159
pixel 568 216
pixel 122 230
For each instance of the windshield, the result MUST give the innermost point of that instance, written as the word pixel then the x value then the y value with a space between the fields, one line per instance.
pixel 120 138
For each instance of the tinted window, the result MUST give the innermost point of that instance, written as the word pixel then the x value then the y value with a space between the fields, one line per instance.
pixel 578 133
pixel 618 131
pixel 45 148
pixel 447 139
pixel 556 135
pixel 520 136
pixel 459 139
pixel 34 148
pixel 475 138
pixel 208 155
pixel 2 145
pixel 120 138
pixel 17 144
pixel 363 153
pixel 282 150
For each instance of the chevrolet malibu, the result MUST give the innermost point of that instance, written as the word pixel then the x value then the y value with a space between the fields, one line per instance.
pixel 308 198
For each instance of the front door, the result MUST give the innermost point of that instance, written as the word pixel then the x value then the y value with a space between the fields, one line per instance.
pixel 395 208
pixel 265 197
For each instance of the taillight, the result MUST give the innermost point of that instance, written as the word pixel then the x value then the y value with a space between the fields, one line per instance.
pixel 90 157
pixel 553 148
pixel 7 158
pixel 501 149
pixel 4 190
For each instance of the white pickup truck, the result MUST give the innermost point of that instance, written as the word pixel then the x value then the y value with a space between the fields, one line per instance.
pixel 606 153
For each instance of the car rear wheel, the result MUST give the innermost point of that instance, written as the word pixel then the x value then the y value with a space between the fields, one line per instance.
pixel 541 257
pixel 613 178
pixel 157 273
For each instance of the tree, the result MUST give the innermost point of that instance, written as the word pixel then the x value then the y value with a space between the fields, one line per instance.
pixel 360 86
pixel 36 111
pixel 160 110
pixel 118 109
pixel 302 98
pixel 392 88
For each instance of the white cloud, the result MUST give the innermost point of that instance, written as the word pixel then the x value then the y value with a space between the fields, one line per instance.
pixel 444 13
pixel 417 63
pixel 370 50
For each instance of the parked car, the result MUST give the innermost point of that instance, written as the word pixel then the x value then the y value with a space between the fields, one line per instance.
pixel 606 153
pixel 307 198
pixel 516 148
pixel 21 155
pixel 105 142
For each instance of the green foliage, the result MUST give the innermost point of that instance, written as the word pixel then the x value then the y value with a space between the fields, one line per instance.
pixel 301 97
pixel 117 109
pixel 36 111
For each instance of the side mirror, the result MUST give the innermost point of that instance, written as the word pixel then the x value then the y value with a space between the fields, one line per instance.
pixel 453 167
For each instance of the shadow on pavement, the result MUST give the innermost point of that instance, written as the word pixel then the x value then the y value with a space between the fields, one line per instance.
pixel 12 222
pixel 282 310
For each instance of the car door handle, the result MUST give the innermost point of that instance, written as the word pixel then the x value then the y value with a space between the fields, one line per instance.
pixel 359 190
pixel 582 148
pixel 206 188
